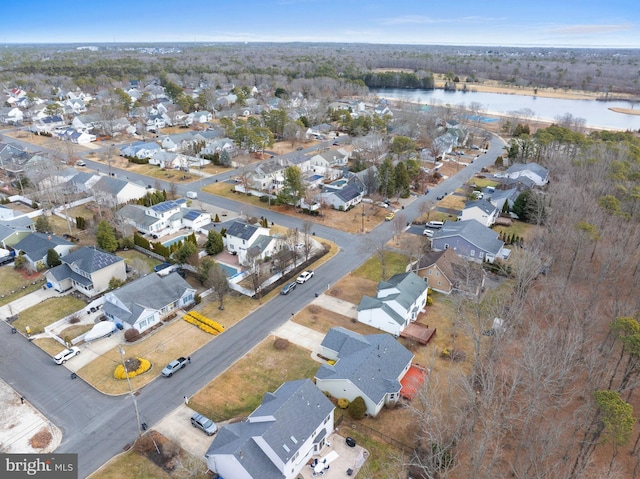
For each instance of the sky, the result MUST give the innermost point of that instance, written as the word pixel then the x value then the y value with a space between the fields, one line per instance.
pixel 559 23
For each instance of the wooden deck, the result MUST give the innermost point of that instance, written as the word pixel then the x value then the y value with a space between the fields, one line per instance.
pixel 418 332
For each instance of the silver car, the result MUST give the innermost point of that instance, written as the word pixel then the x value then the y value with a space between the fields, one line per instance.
pixel 204 423
pixel 65 355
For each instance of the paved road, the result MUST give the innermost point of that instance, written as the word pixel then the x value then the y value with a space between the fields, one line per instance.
pixel 96 426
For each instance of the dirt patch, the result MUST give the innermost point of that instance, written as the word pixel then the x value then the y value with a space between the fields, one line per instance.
pixel 41 439
pixel 352 288
pixel 626 111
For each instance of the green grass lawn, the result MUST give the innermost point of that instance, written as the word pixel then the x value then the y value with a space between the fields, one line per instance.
pixel 132 254
pixel 372 269
pixel 47 312
pixel 519 228
pixel 483 182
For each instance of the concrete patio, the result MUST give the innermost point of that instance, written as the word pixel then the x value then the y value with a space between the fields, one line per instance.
pixel 340 459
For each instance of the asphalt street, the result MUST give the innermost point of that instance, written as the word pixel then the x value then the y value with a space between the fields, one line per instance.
pixel 96 426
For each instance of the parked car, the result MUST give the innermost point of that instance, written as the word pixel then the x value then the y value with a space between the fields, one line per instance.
pixel 440 197
pixel 389 216
pixel 288 288
pixel 435 225
pixel 65 355
pixel 204 423
pixel 304 277
pixel 80 163
pixel 428 233
pixel 173 366
pixel 192 195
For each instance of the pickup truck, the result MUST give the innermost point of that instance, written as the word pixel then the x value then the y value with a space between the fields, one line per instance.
pixel 174 366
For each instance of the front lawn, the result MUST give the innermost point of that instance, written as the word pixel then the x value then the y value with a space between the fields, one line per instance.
pixel 372 269
pixel 14 284
pixel 160 347
pixel 47 312
pixel 239 390
pixel 132 466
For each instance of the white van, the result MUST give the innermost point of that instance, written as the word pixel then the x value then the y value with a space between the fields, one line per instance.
pixel 435 224
pixel 192 194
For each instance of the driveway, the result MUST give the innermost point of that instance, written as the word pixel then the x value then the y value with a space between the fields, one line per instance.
pixel 177 426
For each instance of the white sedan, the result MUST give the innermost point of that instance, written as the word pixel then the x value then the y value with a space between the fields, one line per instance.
pixel 304 277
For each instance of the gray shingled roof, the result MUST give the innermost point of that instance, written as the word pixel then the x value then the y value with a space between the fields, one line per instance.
pixel 410 285
pixel 483 204
pixel 373 363
pixel 36 245
pixel 473 232
pixel 90 259
pixel 110 185
pixel 136 213
pixel 151 292
pixel 541 171
pixel 295 410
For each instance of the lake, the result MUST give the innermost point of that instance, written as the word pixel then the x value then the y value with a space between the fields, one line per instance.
pixel 596 113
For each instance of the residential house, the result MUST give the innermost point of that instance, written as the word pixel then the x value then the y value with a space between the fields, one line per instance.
pixel 278 438
pixel 482 211
pixel 168 160
pixel 217 145
pixel 11 115
pixel 144 302
pixel 164 218
pixel 112 191
pixel 140 149
pixel 200 117
pixel 398 302
pixel 499 197
pixel 35 247
pixel 85 122
pixel 370 367
pixel 342 198
pixel 11 234
pixel 180 141
pixel 521 172
pixel 13 159
pixel 471 240
pixel 48 124
pixel 242 236
pixel 268 176
pixel 446 273
pixel 87 270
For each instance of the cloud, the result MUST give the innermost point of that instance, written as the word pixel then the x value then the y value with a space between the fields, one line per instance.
pixel 590 29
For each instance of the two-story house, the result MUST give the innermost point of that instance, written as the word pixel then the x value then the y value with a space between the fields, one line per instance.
pixel 277 439
pixel 398 302
pixel 87 270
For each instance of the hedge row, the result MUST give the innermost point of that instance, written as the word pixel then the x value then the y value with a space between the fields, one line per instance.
pixel 209 322
pixel 120 373
pixel 206 328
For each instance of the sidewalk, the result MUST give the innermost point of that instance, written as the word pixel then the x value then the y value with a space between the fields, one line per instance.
pixel 27 301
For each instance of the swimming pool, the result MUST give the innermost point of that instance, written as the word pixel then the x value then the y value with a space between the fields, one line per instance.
pixel 174 240
pixel 230 271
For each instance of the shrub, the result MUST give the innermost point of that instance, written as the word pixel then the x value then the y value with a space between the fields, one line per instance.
pixel 281 343
pixel 453 354
pixel 429 300
pixel 74 318
pixel 357 408
pixel 134 367
pixel 131 335
pixel 197 298
pixel 343 403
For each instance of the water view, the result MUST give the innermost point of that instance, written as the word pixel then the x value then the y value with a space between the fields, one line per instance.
pixel 596 113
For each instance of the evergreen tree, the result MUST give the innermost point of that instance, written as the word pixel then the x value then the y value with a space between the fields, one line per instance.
pixel 42 224
pixel 53 258
pixel 106 237
pixel 402 180
pixel 214 244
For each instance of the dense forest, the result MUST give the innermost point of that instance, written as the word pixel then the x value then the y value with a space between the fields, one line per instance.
pixel 597 70
pixel 554 395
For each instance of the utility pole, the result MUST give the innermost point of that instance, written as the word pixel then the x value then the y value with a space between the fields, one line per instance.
pixel 135 401
pixel 363 217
